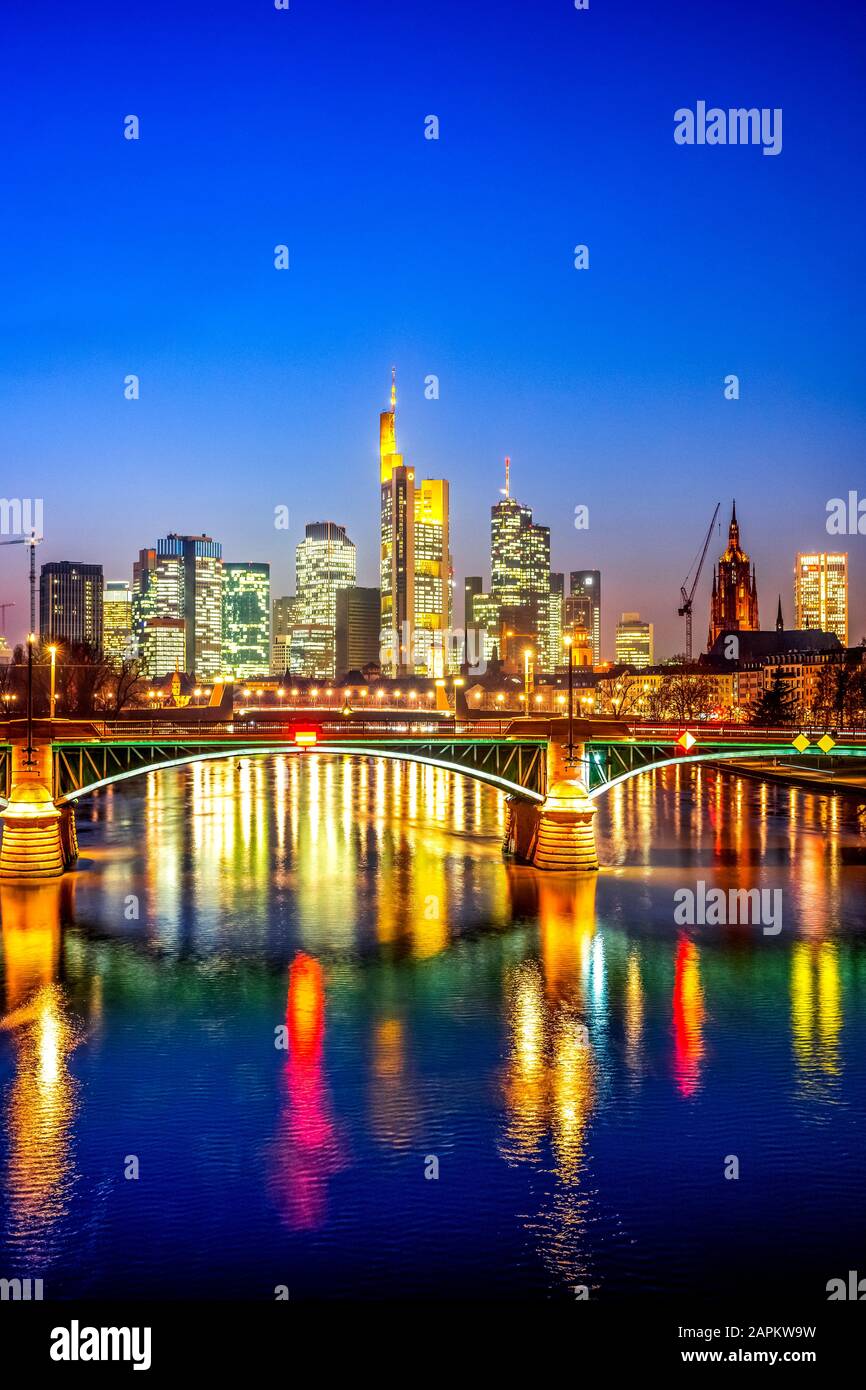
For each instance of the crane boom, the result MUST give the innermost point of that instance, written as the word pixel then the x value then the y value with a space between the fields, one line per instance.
pixel 685 610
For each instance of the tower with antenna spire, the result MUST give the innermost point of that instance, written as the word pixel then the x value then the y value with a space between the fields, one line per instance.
pixel 734 604
pixel 415 562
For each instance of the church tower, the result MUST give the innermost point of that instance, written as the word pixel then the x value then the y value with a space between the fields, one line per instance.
pixel 734 606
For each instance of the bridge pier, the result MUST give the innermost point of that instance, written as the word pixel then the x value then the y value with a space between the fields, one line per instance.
pixel 38 838
pixel 559 833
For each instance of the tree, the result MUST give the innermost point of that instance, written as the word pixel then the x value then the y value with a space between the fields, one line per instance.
pixel 775 705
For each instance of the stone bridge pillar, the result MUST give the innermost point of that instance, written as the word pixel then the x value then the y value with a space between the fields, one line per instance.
pixel 559 833
pixel 39 839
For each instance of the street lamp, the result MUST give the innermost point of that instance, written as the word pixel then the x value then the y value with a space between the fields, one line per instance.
pixel 569 644
pixel 29 760
pixel 52 652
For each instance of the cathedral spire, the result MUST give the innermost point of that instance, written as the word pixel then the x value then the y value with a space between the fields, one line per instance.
pixel 780 622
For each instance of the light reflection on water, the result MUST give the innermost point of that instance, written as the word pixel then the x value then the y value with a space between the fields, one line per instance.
pixel 568 1053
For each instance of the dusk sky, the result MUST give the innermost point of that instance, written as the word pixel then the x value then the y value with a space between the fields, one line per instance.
pixel 451 257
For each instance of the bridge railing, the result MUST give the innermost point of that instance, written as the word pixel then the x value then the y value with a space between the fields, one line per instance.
pixel 270 731
pixel 744 733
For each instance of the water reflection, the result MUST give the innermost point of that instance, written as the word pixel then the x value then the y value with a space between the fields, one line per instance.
pixel 427 989
pixel 41 1103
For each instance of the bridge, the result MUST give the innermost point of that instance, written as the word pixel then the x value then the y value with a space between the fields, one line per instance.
pixel 551 790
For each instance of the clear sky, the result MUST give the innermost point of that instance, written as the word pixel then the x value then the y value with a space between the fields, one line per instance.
pixel 306 127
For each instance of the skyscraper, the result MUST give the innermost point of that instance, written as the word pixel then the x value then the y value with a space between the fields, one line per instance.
pixel 555 621
pixel 734 605
pixel 520 575
pixel 583 607
pixel 433 592
pixel 634 641
pixel 325 563
pixel 117 635
pixel 143 595
pixel 70 603
pixel 188 584
pixel 358 615
pixel 163 646
pixel 397 554
pixel 415 562
pixel 821 592
pixel 246 619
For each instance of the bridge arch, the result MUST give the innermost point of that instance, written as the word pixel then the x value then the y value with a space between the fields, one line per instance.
pixel 489 778
pixel 720 756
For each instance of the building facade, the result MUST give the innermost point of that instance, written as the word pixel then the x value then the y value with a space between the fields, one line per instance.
pixel 163 646
pixel 634 641
pixel 246 619
pixel 520 578
pixel 118 641
pixel 583 607
pixel 821 593
pixel 70 603
pixel 357 631
pixel 325 564
pixel 734 604
pixel 187 584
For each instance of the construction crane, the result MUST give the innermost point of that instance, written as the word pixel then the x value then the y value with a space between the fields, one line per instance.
pixel 3 607
pixel 32 540
pixel 688 594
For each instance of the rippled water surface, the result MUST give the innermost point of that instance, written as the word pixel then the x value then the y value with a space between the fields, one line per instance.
pixel 285 990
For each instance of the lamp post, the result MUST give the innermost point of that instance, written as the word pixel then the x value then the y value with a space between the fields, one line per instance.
pixel 568 643
pixel 52 651
pixel 31 638
pixel 527 657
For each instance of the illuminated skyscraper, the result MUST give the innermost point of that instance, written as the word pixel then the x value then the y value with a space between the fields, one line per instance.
pixel 358 615
pixel 583 606
pixel 555 621
pixel 821 593
pixel 246 619
pixel 143 595
pixel 520 574
pixel 163 647
pixel 70 603
pixel 188 585
pixel 734 606
pixel 325 563
pixel 117 635
pixel 415 562
pixel 433 652
pixel 634 641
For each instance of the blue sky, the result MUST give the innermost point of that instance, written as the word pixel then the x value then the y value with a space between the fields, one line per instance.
pixel 454 257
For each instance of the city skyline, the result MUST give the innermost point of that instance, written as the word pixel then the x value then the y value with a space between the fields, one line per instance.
pixel 605 386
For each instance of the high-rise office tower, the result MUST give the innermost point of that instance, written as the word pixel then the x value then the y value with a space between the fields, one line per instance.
pixel 487 630
pixel 163 646
pixel 143 595
pixel 357 638
pixel 188 585
pixel 734 605
pixel 415 562
pixel 246 619
pixel 520 575
pixel 634 641
pixel 70 603
pixel 117 636
pixel 586 585
pixel 397 554
pixel 281 632
pixel 557 613
pixel 325 563
pixel 821 592
pixel 434 654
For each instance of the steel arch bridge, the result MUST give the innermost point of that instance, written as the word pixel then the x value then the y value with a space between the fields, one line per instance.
pixel 515 766
pixel 511 762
